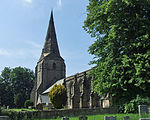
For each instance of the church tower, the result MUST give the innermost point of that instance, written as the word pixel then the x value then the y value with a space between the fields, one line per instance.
pixel 51 66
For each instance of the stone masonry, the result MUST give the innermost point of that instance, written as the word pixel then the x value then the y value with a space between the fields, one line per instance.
pixel 80 92
pixel 51 66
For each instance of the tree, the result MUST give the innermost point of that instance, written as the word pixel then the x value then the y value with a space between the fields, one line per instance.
pixel 15 81
pixel 22 80
pixel 28 103
pixel 122 47
pixel 6 93
pixel 5 76
pixel 19 100
pixel 58 96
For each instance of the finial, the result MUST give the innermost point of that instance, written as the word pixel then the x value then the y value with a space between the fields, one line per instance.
pixel 51 14
pixel 52 11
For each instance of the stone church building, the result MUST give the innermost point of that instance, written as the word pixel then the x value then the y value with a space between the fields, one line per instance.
pixel 51 70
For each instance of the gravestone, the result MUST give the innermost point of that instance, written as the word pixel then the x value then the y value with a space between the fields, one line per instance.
pixel 110 118
pixel 4 118
pixel 126 118
pixel 65 118
pixel 83 117
pixel 144 119
pixel 143 111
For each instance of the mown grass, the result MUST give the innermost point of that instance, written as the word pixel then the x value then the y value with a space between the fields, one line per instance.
pixel 23 109
pixel 90 117
pixel 101 117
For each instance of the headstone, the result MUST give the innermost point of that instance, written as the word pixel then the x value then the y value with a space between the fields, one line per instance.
pixel 110 118
pixel 29 107
pixel 65 118
pixel 144 119
pixel 143 111
pixel 4 118
pixel 83 117
pixel 47 104
pixel 126 118
pixel 106 103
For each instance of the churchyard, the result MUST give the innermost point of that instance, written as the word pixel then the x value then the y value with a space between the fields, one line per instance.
pixel 118 83
pixel 101 117
pixel 25 114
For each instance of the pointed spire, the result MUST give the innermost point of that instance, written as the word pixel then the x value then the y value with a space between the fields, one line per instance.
pixel 51 46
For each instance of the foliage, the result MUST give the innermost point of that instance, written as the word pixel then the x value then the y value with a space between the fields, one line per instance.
pixel 22 109
pixel 19 100
pixel 28 103
pixel 14 81
pixel 6 93
pixel 132 106
pixel 122 47
pixel 22 81
pixel 58 96
pixel 13 115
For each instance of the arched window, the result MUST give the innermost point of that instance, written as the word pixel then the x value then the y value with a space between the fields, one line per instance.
pixel 54 66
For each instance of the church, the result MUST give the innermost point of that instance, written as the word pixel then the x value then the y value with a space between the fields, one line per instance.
pixel 51 69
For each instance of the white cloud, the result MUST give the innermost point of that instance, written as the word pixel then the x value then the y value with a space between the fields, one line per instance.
pixel 33 44
pixel 59 3
pixel 4 52
pixel 28 1
pixel 11 53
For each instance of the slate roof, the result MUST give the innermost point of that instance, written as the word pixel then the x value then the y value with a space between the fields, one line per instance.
pixel 43 99
pixel 61 81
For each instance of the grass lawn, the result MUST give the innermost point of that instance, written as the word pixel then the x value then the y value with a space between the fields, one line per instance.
pixel 90 117
pixel 101 117
pixel 23 109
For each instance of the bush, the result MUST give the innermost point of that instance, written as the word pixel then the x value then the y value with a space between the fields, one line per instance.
pixel 19 100
pixel 28 103
pixel 58 96
pixel 15 115
pixel 132 106
pixel 0 110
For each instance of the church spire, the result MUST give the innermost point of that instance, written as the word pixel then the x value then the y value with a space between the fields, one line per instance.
pixel 51 46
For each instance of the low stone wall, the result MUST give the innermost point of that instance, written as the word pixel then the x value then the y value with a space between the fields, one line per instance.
pixel 72 112
pixel 4 118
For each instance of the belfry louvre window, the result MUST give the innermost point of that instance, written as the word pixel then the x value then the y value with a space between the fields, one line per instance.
pixel 54 66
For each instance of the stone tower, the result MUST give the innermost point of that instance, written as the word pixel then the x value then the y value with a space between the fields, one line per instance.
pixel 51 66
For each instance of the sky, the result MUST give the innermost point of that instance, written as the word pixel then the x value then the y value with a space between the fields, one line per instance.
pixel 23 27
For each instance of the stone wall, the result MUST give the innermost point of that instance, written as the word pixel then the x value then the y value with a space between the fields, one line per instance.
pixel 80 92
pixel 72 112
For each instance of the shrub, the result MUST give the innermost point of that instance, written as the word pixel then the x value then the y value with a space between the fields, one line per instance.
pixel 0 110
pixel 58 96
pixel 28 103
pixel 15 115
pixel 132 106
pixel 19 100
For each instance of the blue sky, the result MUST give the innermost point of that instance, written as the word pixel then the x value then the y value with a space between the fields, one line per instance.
pixel 23 27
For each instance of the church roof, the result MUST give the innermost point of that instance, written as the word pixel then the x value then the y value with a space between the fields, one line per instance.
pixel 51 45
pixel 61 81
pixel 43 99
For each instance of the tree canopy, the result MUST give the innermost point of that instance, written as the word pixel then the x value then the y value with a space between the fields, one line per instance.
pixel 58 96
pixel 14 83
pixel 122 47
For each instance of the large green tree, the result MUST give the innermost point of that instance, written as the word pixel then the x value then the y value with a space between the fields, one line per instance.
pixel 6 93
pixel 22 80
pixel 14 82
pixel 122 47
